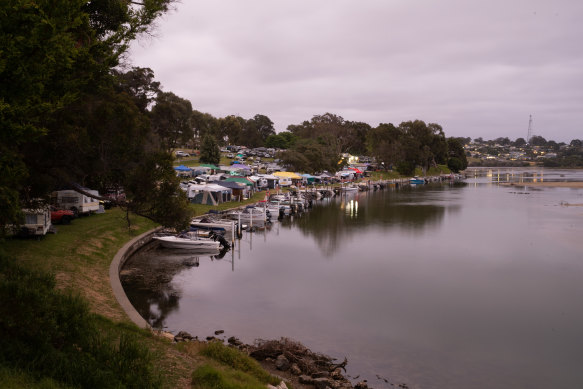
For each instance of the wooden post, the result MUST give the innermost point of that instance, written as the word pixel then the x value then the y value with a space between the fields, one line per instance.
pixel 232 234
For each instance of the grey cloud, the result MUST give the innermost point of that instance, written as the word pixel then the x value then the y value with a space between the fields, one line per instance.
pixel 477 68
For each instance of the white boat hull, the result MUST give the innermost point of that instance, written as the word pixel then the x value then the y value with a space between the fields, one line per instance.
pixel 175 242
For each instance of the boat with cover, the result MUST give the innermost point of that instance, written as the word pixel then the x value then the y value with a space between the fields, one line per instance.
pixel 416 181
pixel 251 214
pixel 219 226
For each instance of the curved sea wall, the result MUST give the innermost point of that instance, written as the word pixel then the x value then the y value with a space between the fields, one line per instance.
pixel 115 267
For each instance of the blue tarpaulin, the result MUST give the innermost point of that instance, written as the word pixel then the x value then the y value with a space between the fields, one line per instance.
pixel 182 168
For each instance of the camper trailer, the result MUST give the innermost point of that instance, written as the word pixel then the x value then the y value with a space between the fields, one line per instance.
pixel 77 202
pixel 285 181
pixel 36 221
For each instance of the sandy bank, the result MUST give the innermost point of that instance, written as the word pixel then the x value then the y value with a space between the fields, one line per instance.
pixel 547 184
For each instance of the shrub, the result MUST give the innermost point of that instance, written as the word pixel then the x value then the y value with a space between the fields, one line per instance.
pixel 49 333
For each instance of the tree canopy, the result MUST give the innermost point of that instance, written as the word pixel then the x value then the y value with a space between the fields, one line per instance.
pixel 209 150
pixel 68 116
pixel 411 144
pixel 171 120
pixel 457 159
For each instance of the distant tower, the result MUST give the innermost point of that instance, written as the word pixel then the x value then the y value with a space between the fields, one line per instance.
pixel 529 129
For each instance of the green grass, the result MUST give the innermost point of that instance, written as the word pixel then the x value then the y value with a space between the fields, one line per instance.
pixel 79 255
pixel 234 358
pixel 233 369
pixel 195 161
pixel 219 377
pixel 90 239
pixel 435 171
pixel 384 175
pixel 18 379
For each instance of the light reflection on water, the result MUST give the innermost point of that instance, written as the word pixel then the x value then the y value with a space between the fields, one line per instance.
pixel 473 285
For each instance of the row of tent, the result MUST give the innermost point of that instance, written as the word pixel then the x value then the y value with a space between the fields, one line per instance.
pixel 224 188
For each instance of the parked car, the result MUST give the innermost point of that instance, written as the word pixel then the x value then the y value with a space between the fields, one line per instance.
pixel 181 154
pixel 61 216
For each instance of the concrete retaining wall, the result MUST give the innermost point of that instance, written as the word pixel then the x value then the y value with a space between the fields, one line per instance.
pixel 114 268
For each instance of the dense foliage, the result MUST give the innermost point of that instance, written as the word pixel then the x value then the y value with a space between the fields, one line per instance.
pixel 69 118
pixel 49 333
pixel 209 150
pixel 321 143
pixel 457 160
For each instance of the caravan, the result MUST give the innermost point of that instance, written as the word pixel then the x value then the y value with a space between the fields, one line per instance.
pixel 36 221
pixel 77 202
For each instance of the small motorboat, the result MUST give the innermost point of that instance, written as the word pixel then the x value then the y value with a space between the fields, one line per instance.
pixel 190 241
pixel 251 215
pixel 219 226
pixel 416 181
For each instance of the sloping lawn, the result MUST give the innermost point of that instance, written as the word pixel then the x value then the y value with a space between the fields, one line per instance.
pixel 78 256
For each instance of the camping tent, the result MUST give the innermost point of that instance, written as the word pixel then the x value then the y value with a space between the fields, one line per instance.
pixel 310 179
pixel 240 190
pixel 210 194
pixel 241 180
pixel 210 166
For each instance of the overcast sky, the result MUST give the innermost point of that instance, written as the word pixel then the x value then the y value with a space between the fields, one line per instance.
pixel 478 68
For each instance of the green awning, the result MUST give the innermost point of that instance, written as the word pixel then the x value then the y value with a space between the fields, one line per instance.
pixel 210 166
pixel 241 180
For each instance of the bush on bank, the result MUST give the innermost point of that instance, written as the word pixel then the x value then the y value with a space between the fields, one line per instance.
pixel 48 333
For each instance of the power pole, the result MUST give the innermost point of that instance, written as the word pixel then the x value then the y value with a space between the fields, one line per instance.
pixel 529 129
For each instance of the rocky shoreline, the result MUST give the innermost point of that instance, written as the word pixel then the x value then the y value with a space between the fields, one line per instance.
pixel 291 361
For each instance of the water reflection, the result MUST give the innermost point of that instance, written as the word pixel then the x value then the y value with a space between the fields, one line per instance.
pixel 525 175
pixel 338 221
pixel 148 280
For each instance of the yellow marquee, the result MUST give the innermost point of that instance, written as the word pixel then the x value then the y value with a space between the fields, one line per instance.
pixel 288 175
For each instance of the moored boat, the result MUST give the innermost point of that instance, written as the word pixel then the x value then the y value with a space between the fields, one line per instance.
pixel 220 226
pixel 190 241
pixel 251 215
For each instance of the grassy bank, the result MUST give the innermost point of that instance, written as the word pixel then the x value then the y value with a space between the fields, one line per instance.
pixel 65 318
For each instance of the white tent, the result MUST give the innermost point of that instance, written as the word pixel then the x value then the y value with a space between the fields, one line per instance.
pixel 211 194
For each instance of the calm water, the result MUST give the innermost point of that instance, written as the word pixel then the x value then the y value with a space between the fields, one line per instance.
pixel 468 286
